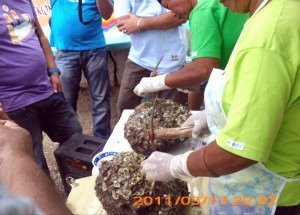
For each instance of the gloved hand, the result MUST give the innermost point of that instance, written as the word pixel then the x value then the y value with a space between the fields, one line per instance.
pixel 151 85
pixel 199 122
pixel 166 167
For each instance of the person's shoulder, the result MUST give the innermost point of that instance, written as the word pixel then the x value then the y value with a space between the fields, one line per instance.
pixel 210 5
pixel 275 28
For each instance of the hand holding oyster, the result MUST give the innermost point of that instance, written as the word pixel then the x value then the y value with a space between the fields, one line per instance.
pixel 120 184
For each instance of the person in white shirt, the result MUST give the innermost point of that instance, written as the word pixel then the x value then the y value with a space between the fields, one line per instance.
pixel 155 32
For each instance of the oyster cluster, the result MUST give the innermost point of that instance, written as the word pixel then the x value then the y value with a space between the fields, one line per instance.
pixel 120 184
pixel 166 114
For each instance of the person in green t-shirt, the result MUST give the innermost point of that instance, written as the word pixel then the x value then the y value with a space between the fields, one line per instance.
pixel 253 111
pixel 214 31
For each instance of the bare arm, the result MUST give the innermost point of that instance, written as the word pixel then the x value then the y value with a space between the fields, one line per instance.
pixel 193 73
pixel 105 8
pixel 133 24
pixel 164 21
pixel 20 173
pixel 3 114
pixel 218 160
pixel 49 57
pixel 45 46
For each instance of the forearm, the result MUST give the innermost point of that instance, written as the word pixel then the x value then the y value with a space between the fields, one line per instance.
pixel 163 21
pixel 192 74
pixel 45 47
pixel 23 177
pixel 48 53
pixel 216 161
pixel 105 8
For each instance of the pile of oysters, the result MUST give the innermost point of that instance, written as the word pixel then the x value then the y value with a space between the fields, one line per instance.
pixel 165 114
pixel 123 189
pixel 120 186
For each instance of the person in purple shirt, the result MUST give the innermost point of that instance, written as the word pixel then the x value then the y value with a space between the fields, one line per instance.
pixel 31 98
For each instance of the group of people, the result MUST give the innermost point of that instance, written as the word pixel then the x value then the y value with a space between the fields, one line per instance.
pixel 39 93
pixel 245 60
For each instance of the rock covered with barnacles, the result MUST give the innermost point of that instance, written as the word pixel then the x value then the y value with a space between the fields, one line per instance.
pixel 120 186
pixel 167 114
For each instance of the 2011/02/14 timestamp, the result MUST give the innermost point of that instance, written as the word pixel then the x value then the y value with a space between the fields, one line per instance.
pixel 198 201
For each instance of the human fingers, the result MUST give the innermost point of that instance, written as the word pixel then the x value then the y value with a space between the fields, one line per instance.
pixel 197 129
pixel 189 122
pixel 59 87
pixel 10 124
pixel 3 114
pixel 55 82
pixel 125 32
pixel 55 87
pixel 139 91
pixel 150 172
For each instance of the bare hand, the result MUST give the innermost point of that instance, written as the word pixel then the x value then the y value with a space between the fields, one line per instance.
pixel 56 84
pixel 128 24
pixel 180 16
pixel 3 115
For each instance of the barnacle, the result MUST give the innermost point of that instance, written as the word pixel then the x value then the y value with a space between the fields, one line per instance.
pixel 117 193
pixel 167 114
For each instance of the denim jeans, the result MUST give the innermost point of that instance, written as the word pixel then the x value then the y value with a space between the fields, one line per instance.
pixel 93 64
pixel 54 116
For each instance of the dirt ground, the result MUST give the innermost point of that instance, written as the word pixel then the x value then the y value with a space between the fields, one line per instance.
pixel 84 113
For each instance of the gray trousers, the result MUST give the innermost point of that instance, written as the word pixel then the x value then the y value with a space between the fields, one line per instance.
pixel 133 74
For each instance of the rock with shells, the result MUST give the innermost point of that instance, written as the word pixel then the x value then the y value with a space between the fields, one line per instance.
pixel 167 114
pixel 120 183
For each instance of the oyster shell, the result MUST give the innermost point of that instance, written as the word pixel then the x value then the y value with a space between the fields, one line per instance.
pixel 167 114
pixel 120 199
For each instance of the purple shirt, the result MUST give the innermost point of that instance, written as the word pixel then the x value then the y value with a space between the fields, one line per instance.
pixel 23 68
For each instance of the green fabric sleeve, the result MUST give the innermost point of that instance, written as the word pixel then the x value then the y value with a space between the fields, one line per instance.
pixel 206 38
pixel 259 91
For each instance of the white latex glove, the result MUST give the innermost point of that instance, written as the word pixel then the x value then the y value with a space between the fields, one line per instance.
pixel 151 85
pixel 199 122
pixel 166 167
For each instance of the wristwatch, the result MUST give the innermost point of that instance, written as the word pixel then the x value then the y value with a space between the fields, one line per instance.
pixel 53 70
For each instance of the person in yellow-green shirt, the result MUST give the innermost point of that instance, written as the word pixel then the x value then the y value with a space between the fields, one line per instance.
pixel 253 111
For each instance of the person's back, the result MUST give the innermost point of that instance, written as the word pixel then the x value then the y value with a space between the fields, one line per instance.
pixel 80 44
